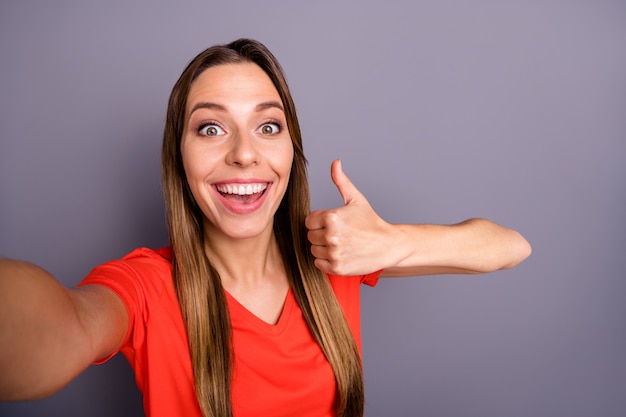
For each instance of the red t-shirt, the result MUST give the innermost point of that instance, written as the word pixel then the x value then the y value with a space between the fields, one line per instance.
pixel 279 369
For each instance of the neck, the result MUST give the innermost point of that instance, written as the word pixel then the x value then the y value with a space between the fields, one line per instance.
pixel 247 261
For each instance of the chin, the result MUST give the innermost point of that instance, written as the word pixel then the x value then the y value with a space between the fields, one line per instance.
pixel 238 231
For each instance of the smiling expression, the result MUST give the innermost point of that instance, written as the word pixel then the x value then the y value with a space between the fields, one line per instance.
pixel 236 150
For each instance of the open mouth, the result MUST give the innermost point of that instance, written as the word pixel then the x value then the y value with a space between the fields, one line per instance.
pixel 242 193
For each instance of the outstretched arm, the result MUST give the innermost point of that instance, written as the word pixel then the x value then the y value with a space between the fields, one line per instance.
pixel 354 240
pixel 49 334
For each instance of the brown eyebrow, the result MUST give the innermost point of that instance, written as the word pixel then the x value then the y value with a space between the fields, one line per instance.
pixel 205 105
pixel 269 105
pixel 259 107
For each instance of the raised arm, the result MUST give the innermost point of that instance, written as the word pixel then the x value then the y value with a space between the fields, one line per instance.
pixel 354 240
pixel 48 333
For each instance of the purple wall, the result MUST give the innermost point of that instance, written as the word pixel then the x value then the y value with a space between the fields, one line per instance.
pixel 440 112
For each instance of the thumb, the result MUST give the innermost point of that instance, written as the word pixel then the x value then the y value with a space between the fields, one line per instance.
pixel 347 190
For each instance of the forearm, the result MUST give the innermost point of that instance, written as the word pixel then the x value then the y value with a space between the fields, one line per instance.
pixel 473 246
pixel 42 344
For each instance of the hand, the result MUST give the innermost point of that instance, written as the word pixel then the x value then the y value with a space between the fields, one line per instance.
pixel 352 239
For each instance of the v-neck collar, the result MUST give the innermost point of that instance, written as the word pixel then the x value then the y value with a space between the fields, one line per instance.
pixel 239 311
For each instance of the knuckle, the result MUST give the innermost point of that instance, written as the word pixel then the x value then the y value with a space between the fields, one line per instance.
pixel 333 240
pixel 333 217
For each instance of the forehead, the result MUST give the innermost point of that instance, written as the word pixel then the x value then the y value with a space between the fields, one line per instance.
pixel 236 82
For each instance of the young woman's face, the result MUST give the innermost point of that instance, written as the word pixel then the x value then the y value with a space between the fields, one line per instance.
pixel 236 149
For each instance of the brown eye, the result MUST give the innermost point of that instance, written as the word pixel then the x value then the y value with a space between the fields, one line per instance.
pixel 269 128
pixel 211 130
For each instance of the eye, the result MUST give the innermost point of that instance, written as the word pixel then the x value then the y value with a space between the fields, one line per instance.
pixel 270 128
pixel 210 129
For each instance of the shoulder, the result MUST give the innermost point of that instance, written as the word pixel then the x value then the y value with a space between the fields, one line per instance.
pixel 146 256
pixel 140 261
pixel 138 276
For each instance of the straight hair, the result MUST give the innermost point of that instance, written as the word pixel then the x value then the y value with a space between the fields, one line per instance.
pixel 198 286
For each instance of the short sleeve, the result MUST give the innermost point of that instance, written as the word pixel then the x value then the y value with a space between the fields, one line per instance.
pixel 134 278
pixel 348 293
pixel 371 279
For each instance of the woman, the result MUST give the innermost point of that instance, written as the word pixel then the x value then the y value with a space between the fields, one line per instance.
pixel 253 310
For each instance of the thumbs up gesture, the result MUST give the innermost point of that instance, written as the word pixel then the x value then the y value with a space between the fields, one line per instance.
pixel 352 239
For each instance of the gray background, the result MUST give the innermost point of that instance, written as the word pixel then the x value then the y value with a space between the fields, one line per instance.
pixel 514 111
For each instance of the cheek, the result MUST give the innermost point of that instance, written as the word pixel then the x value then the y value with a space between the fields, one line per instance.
pixel 284 158
pixel 196 169
pixel 191 173
pixel 188 163
pixel 197 162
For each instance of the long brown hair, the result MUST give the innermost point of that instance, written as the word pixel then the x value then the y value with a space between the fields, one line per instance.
pixel 198 285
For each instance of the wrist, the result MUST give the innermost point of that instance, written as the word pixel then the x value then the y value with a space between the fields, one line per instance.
pixel 400 246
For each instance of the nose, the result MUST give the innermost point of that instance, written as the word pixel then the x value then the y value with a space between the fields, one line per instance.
pixel 243 151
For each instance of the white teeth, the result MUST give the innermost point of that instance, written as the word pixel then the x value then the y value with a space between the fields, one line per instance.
pixel 241 189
